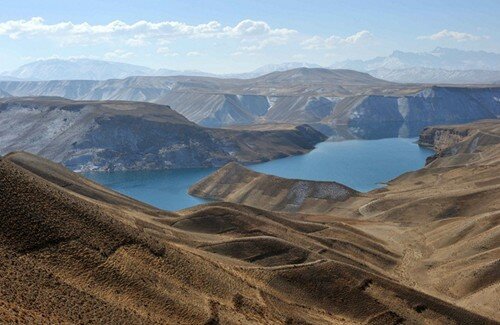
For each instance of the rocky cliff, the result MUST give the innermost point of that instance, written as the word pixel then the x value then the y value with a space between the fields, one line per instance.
pixel 237 184
pixel 462 144
pixel 4 94
pixel 327 99
pixel 428 106
pixel 118 135
pixel 217 102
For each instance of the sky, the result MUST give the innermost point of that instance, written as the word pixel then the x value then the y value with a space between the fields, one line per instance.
pixel 238 36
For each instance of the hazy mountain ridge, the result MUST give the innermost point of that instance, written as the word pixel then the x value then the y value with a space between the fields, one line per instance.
pixel 439 58
pixel 268 68
pixel 87 69
pixel 438 76
pixel 92 69
pixel 442 65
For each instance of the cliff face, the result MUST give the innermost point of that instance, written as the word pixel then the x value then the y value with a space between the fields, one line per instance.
pixel 462 144
pixel 429 106
pixel 130 135
pixel 237 184
pixel 326 97
pixel 440 138
pixel 4 94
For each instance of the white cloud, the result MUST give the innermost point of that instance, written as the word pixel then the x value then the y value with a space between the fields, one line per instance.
pixel 359 36
pixel 118 54
pixel 265 43
pixel 137 33
pixel 249 27
pixel 320 43
pixel 166 51
pixel 136 41
pixel 314 43
pixel 453 35
pixel 194 53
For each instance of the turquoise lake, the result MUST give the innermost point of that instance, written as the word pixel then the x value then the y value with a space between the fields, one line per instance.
pixel 361 164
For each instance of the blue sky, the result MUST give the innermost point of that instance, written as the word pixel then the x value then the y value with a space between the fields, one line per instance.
pixel 235 36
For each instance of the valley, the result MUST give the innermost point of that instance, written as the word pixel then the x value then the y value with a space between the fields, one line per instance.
pixel 250 162
pixel 360 164
pixel 309 231
pixel 388 256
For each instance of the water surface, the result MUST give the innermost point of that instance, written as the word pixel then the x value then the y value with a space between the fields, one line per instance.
pixel 165 189
pixel 361 164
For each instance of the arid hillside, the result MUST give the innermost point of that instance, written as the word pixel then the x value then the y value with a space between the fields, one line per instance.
pixel 443 219
pixel 422 251
pixel 237 184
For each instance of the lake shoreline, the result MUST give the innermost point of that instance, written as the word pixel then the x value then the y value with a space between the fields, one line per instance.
pixel 363 165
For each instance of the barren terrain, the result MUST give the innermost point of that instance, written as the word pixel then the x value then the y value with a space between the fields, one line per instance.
pixel 423 250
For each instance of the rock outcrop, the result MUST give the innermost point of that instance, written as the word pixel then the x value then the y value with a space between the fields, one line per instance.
pixel 4 94
pixel 237 184
pixel 429 106
pixel 118 135
pixel 462 144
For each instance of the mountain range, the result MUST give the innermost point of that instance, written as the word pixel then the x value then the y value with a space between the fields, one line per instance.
pixel 324 98
pixel 439 58
pixel 441 65
pixel 86 69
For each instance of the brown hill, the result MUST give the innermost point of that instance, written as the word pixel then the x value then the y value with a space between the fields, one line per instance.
pixel 445 215
pixel 422 251
pixel 237 184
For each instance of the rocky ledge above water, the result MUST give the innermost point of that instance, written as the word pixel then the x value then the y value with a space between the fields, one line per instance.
pixel 119 135
pixel 461 144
